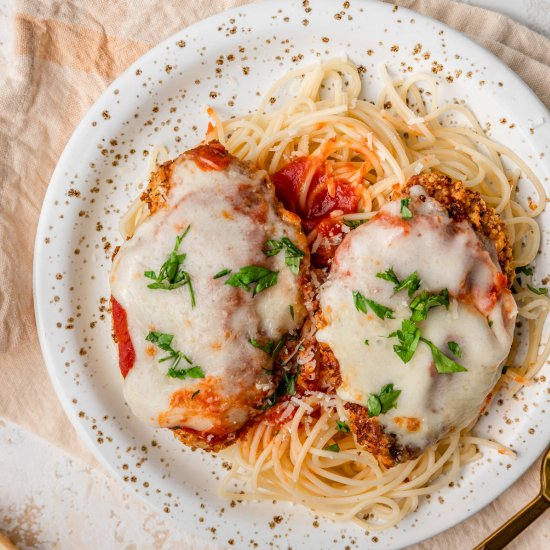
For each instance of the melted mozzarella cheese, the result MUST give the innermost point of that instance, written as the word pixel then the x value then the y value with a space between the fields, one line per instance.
pixel 231 213
pixel 445 254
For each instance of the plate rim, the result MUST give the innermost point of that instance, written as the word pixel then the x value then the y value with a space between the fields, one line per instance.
pixel 522 90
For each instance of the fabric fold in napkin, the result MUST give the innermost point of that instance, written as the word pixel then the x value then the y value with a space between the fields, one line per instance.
pixel 56 58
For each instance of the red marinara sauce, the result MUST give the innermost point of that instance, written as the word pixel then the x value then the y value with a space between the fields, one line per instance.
pixel 289 182
pixel 126 352
pixel 211 156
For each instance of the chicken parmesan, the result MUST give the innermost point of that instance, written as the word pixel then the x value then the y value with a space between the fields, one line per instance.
pixel 203 293
pixel 418 315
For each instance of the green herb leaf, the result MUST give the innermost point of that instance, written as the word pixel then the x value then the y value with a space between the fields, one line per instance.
pixel 389 275
pixel 379 310
pixel 171 274
pixel 291 309
pixel 267 347
pixel 405 211
pixel 195 394
pixel 182 374
pixel 293 255
pixel 366 343
pixel 526 269
pixel 360 302
pixel 424 302
pixel 388 397
pixel 342 427
pixel 272 247
pixel 539 291
pixel 373 405
pixel 164 342
pixel 260 277
pixel 455 349
pixel 334 448
pixel 290 383
pixel 489 322
pixel 443 364
pixel 287 386
pixel 222 273
pixel 353 224
pixel 411 283
pixel 270 347
pixel 279 345
pixel 408 336
pixel 384 401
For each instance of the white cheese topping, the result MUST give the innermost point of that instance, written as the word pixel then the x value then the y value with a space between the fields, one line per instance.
pixel 231 213
pixel 446 255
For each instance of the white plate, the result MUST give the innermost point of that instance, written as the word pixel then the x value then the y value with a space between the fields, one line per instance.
pixel 161 99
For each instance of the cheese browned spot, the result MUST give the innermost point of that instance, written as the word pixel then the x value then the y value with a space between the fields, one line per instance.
pixel 232 211
pixel 447 255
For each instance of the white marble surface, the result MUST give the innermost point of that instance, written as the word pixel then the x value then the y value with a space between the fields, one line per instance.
pixel 44 492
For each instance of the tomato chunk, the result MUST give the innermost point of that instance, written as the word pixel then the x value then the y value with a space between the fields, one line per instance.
pixel 211 156
pixel 290 180
pixel 126 352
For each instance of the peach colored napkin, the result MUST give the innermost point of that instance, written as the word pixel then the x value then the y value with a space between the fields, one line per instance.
pixel 63 54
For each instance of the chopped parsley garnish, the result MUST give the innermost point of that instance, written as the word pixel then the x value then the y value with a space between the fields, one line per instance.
pixel 454 348
pixel 270 347
pixel 222 273
pixel 379 310
pixel 526 269
pixel 182 374
pixel 411 283
pixel 164 342
pixel 489 322
pixel 408 336
pixel 353 224
pixel 171 274
pixel 259 277
pixel 539 291
pixel 195 394
pixel 405 211
pixel 424 302
pixel 293 255
pixel 443 364
pixel 389 275
pixel 287 386
pixel 366 342
pixel 384 401
pixel 291 309
pixel 334 448
pixel 342 427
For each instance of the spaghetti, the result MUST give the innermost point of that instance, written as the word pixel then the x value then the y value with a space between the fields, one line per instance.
pixel 351 155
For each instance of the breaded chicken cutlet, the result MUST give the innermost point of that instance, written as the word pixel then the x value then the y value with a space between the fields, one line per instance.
pixel 398 442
